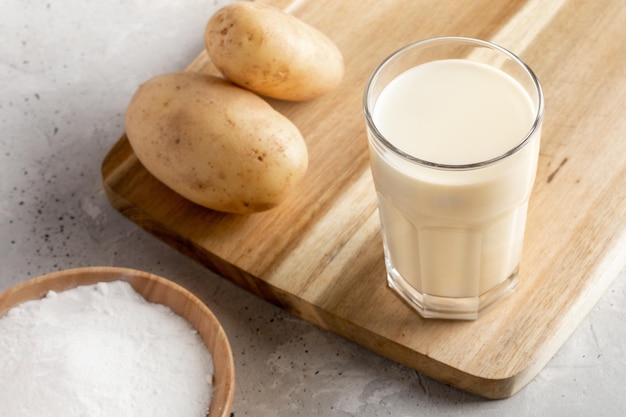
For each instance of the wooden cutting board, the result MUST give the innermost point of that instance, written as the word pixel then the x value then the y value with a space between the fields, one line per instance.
pixel 319 255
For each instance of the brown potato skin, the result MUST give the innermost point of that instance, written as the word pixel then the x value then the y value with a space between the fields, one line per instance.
pixel 214 143
pixel 272 53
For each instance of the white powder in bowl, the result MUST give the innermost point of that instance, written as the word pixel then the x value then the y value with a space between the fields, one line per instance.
pixel 101 350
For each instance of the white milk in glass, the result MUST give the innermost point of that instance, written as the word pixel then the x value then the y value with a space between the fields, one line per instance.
pixel 453 233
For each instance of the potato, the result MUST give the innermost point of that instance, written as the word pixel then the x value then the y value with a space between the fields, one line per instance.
pixel 214 143
pixel 272 53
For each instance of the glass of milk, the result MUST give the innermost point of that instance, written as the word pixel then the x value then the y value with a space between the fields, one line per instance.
pixel 454 127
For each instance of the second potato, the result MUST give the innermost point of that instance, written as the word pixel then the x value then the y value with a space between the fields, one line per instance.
pixel 272 53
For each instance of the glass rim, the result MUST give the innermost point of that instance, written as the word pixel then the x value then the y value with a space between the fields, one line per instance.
pixel 473 165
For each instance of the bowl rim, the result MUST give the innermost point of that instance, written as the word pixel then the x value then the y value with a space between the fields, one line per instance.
pixel 144 283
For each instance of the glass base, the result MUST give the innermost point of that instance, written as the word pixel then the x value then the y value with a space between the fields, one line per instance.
pixel 457 308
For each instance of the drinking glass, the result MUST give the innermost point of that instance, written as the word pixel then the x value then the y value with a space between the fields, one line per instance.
pixel 453 156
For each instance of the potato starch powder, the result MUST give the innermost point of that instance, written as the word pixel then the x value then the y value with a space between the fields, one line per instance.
pixel 101 350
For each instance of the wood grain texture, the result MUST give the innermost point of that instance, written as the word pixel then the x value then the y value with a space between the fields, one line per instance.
pixel 319 255
pixel 154 289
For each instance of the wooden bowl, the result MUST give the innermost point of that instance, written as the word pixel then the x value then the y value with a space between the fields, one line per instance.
pixel 155 289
